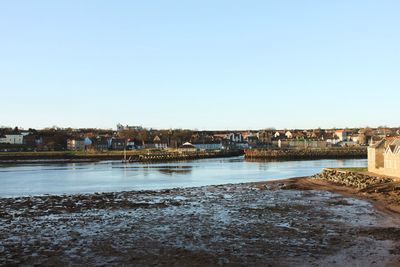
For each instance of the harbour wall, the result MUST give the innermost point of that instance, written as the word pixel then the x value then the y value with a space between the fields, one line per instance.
pixel 307 153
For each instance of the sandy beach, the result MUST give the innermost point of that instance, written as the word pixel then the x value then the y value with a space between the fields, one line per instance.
pixel 294 222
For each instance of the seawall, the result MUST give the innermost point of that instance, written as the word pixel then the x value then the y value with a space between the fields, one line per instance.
pixel 307 153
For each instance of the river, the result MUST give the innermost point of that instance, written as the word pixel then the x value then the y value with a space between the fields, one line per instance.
pixel 113 176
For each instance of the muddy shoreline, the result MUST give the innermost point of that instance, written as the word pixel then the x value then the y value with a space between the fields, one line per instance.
pixel 293 222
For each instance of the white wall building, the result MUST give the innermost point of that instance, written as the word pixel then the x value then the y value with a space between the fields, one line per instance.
pixel 384 157
pixel 15 139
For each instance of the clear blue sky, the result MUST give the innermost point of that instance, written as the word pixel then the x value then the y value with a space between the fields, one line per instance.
pixel 200 64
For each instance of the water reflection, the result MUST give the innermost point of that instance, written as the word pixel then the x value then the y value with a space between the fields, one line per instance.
pixel 18 180
pixel 171 171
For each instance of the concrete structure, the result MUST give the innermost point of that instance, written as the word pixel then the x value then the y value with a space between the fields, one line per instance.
pixel 14 139
pixel 384 157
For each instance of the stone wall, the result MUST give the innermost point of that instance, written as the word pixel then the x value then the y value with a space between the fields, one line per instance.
pixel 384 163
pixel 375 159
pixel 308 153
pixel 353 179
pixel 391 164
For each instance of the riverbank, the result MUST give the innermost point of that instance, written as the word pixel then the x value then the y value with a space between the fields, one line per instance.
pixel 307 153
pixel 131 156
pixel 294 222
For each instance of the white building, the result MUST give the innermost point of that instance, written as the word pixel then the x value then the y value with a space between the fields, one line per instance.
pixel 14 139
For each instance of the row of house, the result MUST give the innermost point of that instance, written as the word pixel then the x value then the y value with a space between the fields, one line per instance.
pixel 98 143
pixel 340 137
pixel 205 140
pixel 217 142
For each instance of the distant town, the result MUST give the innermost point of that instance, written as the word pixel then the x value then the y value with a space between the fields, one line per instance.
pixel 126 137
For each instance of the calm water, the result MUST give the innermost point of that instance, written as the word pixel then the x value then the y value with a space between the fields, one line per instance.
pixel 22 180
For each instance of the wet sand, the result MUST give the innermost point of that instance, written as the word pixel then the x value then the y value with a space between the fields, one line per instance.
pixel 294 222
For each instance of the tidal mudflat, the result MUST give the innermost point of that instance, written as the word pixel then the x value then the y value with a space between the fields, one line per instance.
pixel 250 224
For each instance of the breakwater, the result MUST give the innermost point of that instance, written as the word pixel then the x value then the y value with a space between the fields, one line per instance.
pixel 307 153
pixel 356 179
pixel 176 156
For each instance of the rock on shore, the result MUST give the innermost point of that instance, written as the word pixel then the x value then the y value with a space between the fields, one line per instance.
pixel 354 179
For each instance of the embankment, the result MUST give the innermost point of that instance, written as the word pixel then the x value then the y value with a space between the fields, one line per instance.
pixel 307 153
